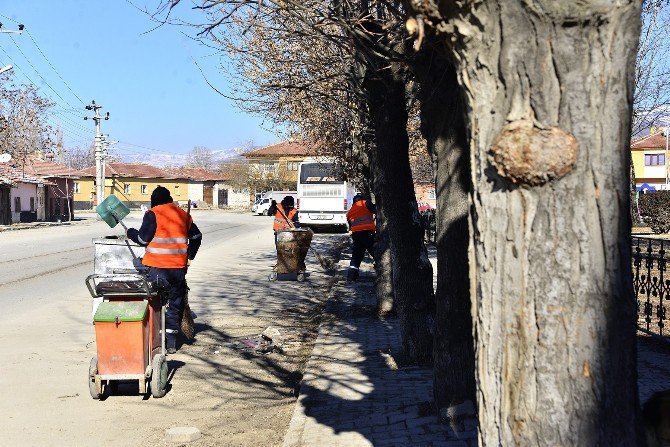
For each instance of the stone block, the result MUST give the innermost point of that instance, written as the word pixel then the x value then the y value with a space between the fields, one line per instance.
pixel 180 435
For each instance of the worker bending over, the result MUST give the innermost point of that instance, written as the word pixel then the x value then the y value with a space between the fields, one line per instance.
pixel 361 222
pixel 171 242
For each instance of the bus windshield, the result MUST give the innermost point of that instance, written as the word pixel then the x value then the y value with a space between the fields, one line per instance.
pixel 322 173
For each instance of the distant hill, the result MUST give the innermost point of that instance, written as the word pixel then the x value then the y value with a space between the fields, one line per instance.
pixel 162 159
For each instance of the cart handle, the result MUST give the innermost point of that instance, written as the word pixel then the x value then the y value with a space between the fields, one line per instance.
pixel 90 282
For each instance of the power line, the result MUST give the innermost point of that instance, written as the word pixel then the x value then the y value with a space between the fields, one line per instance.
pixel 52 67
pixel 38 73
pixel 145 147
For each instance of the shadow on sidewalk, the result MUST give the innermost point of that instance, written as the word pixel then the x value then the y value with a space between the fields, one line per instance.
pixel 353 392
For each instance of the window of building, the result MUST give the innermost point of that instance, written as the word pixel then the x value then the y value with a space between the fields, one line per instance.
pixel 126 188
pixel 431 194
pixel 266 166
pixel 292 165
pixel 654 160
pixel 17 204
pixel 76 187
pixel 176 190
pixel 144 189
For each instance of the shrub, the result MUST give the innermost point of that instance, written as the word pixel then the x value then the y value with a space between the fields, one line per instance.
pixel 655 210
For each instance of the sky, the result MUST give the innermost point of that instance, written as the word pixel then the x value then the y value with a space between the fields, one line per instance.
pixel 158 100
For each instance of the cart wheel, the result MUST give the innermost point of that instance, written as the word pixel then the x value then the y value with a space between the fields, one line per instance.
pixel 92 387
pixel 301 276
pixel 159 376
pixel 273 276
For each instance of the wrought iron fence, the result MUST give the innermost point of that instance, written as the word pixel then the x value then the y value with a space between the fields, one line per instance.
pixel 429 226
pixel 651 285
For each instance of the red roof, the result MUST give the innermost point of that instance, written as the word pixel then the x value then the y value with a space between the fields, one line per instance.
pixel 652 141
pixel 14 174
pixel 133 170
pixel 285 148
pixel 198 174
pixel 49 169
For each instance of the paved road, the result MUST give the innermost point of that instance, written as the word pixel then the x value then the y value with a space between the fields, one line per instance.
pixel 47 340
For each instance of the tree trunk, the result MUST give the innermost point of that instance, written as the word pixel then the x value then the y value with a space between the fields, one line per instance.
pixel 412 271
pixel 383 262
pixel 442 124
pixel 549 92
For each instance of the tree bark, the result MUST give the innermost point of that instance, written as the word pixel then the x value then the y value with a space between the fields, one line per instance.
pixel 412 271
pixel 383 262
pixel 443 126
pixel 554 315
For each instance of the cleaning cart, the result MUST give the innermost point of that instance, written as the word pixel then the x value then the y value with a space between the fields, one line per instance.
pixel 292 247
pixel 128 314
pixel 129 320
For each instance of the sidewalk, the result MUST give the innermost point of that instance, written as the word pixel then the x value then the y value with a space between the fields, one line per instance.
pixel 353 393
pixel 31 225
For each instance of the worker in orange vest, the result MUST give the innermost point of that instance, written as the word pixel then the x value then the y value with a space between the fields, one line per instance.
pixel 172 240
pixel 284 211
pixel 361 220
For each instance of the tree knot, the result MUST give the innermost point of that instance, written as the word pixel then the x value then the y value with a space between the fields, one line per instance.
pixel 527 155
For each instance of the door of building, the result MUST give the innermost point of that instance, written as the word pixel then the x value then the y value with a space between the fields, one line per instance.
pixel 40 207
pixel 208 195
pixel 223 198
pixel 5 211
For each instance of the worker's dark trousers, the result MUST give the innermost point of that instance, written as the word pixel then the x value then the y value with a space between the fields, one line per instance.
pixel 172 284
pixel 363 241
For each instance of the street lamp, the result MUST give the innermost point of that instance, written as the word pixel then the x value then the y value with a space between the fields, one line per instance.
pixel 6 68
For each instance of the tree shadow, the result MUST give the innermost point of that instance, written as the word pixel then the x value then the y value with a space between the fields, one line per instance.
pixel 354 389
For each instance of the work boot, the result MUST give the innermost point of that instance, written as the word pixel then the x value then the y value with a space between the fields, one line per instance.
pixel 171 341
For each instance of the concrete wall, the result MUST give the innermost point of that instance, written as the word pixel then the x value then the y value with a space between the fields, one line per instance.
pixel 195 190
pixel 236 198
pixel 25 191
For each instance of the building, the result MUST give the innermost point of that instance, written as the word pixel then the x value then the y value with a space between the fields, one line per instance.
pixel 214 189
pixel 279 161
pixel 27 194
pixel 59 199
pixel 132 183
pixel 650 160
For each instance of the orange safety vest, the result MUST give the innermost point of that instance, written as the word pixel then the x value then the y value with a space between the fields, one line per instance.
pixel 167 250
pixel 280 222
pixel 360 217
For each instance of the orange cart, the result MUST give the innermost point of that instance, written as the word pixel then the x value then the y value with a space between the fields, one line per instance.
pixel 129 333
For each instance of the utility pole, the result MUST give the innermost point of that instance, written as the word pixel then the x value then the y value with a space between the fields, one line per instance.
pixel 105 142
pixel 99 161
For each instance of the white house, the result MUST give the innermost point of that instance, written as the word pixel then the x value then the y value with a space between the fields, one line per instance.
pixel 27 194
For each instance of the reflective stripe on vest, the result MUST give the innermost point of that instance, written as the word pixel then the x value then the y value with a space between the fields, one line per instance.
pixel 168 248
pixel 280 223
pixel 360 218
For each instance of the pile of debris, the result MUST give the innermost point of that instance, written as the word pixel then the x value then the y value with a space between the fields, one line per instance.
pixel 270 340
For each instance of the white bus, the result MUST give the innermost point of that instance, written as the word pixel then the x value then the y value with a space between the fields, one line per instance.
pixel 323 196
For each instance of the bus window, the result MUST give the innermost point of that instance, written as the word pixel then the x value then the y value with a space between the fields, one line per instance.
pixel 320 173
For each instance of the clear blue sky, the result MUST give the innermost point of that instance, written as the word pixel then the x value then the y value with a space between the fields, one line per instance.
pixel 155 94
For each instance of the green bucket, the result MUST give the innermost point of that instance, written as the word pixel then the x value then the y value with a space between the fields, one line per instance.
pixel 112 210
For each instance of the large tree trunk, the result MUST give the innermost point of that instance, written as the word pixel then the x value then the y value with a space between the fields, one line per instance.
pixel 442 124
pixel 549 92
pixel 412 271
pixel 383 262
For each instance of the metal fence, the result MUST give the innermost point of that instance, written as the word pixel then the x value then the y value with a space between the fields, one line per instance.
pixel 429 226
pixel 651 285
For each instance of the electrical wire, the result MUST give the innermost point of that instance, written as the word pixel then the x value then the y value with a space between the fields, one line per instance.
pixel 52 67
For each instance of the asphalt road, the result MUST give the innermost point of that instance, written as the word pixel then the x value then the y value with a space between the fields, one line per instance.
pixel 47 340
